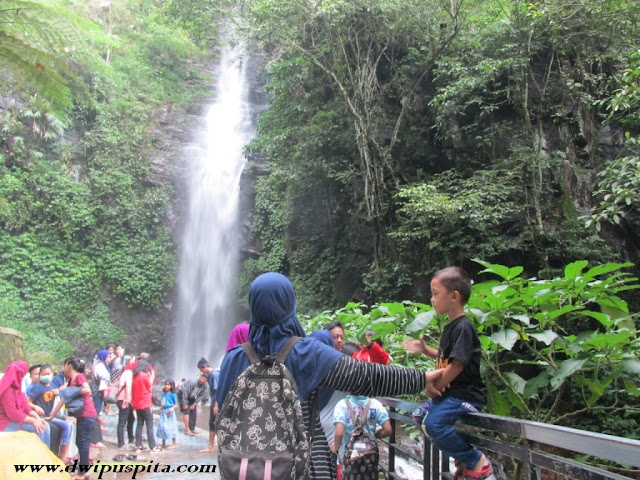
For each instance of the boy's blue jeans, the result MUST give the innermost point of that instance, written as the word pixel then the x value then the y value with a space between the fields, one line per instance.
pixel 442 415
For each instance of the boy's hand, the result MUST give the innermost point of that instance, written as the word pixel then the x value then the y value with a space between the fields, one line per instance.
pixel 415 346
pixel 449 374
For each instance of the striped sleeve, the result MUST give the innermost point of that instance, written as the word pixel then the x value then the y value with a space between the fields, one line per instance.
pixel 321 466
pixel 372 379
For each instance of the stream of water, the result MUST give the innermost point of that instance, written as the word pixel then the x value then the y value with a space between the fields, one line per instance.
pixel 210 245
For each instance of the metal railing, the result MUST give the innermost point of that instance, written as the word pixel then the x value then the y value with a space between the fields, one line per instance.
pixel 530 447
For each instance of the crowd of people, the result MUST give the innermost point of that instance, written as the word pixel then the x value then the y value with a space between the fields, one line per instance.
pixel 335 380
pixel 65 409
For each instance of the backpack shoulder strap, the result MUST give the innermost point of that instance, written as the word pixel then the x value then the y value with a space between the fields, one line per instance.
pixel 352 413
pixel 366 413
pixel 251 352
pixel 284 353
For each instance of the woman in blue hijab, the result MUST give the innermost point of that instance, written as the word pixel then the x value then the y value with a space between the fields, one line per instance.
pixel 312 364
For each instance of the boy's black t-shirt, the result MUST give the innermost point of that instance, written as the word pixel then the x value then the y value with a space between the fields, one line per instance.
pixel 460 340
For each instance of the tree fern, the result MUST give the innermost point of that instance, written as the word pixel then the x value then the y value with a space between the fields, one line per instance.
pixel 43 46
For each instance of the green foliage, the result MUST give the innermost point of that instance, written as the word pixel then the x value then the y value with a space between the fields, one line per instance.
pixel 141 273
pixel 198 17
pixel 42 44
pixel 50 295
pixel 624 104
pixel 619 181
pixel 392 322
pixel 84 222
pixel 455 214
pixel 619 191
pixel 542 337
pixel 372 103
pixel 563 350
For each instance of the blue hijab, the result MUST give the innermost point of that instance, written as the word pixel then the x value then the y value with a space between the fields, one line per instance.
pixel 272 303
pixel 102 355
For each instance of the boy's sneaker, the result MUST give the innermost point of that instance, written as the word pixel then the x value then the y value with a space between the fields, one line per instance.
pixel 485 474
pixel 458 475
pixel 419 416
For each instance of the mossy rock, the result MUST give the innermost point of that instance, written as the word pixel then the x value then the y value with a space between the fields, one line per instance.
pixel 11 347
pixel 38 358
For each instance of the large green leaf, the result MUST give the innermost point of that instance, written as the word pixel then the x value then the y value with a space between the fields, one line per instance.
pixel 421 321
pixel 533 385
pixel 516 381
pixel 605 268
pixel 505 338
pixel 610 340
pixel 497 402
pixel 574 269
pixel 500 270
pixel 631 366
pixel 546 337
pixel 566 369
pixel 393 308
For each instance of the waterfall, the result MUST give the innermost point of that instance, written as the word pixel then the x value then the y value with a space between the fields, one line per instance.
pixel 210 244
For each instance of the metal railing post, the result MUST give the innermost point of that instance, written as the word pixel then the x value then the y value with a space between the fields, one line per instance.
pixel 392 441
pixel 426 460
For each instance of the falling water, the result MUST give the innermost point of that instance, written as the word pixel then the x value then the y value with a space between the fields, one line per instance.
pixel 209 256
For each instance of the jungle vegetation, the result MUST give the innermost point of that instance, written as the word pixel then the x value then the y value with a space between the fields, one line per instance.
pixel 401 137
pixel 83 214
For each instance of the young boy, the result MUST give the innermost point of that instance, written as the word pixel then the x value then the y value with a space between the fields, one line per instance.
pixel 376 415
pixel 212 379
pixel 43 395
pixel 459 354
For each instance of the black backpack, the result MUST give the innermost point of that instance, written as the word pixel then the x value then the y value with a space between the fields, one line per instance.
pixel 361 454
pixel 260 428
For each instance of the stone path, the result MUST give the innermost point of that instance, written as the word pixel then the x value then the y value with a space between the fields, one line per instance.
pixel 186 456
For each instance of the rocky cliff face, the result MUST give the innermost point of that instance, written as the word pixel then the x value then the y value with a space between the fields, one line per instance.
pixel 153 331
pixel 256 165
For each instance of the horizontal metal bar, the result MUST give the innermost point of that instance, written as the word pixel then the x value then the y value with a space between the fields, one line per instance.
pixel 623 451
pixel 385 468
pixel 401 418
pixel 570 468
pixel 403 450
pixel 518 452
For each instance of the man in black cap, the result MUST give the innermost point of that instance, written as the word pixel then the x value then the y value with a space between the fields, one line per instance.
pixel 212 379
pixel 191 394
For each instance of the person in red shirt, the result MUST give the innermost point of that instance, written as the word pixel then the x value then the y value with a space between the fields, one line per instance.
pixel 372 351
pixel 143 403
pixel 74 375
pixel 15 411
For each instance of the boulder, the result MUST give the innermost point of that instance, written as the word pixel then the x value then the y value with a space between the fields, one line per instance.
pixel 11 347
pixel 25 448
